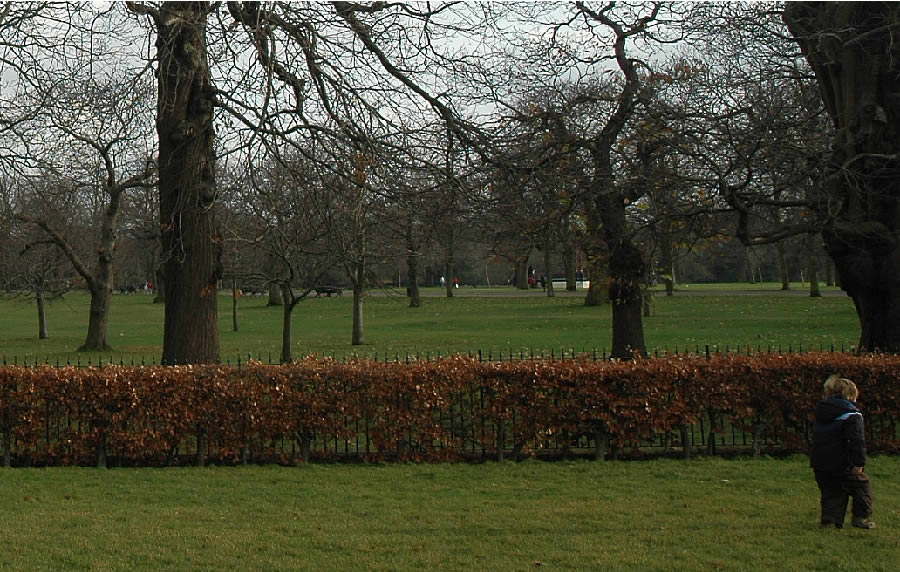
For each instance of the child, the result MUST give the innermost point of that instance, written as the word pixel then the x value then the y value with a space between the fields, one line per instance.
pixel 839 454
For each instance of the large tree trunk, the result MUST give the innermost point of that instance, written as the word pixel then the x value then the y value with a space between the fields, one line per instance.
pixel 42 315
pixel 783 270
pixel 548 274
pixel 450 265
pixel 597 252
pixel 359 289
pixel 667 261
pixel 275 297
pixel 98 319
pixel 813 271
pixel 192 247
pixel 851 48
pixel 101 281
pixel 412 279
pixel 286 309
pixel 235 295
pixel 522 272
pixel 569 263
pixel 412 269
pixel 626 269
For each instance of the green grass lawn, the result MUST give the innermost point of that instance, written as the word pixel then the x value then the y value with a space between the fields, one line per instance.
pixel 491 323
pixel 705 514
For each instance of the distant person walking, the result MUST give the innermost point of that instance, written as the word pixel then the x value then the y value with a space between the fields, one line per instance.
pixel 838 456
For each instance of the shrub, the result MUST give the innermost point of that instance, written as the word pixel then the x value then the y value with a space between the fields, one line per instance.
pixel 455 408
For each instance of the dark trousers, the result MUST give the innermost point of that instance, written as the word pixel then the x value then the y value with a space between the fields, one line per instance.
pixel 837 489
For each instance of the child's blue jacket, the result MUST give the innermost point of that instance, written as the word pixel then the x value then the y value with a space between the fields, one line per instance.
pixel 838 437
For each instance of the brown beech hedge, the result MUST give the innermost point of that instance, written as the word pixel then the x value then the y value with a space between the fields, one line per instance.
pixel 456 408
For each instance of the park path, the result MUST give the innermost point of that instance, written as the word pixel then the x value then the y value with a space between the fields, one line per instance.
pixel 472 292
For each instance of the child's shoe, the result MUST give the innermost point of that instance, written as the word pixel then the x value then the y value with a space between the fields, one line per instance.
pixel 863 523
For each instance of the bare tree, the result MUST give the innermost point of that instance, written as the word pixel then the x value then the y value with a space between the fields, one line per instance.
pixel 277 217
pixel 595 51
pixel 33 269
pixel 74 126
pixel 100 126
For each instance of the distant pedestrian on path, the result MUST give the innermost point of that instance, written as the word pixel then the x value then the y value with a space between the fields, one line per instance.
pixel 838 456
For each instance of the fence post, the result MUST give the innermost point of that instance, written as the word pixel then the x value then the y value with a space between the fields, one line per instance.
pixel 305 445
pixel 7 453
pixel 101 450
pixel 685 441
pixel 501 440
pixel 601 438
pixel 201 444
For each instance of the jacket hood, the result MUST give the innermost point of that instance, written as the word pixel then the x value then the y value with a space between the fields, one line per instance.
pixel 829 409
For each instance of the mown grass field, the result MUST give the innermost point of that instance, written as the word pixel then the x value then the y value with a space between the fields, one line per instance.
pixel 705 514
pixel 490 320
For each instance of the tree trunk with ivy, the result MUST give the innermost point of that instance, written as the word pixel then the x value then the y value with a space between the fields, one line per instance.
pixel 626 276
pixel 192 247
